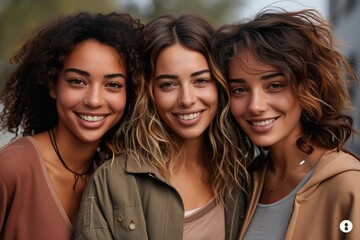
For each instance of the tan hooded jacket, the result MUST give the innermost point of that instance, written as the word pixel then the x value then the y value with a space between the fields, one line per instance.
pixel 331 195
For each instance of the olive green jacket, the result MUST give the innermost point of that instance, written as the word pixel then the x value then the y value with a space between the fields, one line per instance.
pixel 123 201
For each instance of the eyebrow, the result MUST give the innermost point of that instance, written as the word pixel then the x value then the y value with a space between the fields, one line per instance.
pixel 264 77
pixel 271 75
pixel 195 74
pixel 86 74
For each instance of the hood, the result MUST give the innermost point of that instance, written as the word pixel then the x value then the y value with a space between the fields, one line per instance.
pixel 332 163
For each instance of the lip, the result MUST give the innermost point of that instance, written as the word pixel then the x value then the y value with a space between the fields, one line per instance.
pixel 189 117
pixel 262 125
pixel 91 120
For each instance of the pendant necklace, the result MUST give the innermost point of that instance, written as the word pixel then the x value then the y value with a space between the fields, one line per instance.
pixel 76 175
pixel 272 189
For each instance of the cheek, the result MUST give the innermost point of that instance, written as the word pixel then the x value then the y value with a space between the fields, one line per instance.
pixel 68 98
pixel 296 111
pixel 164 100
pixel 118 102
pixel 210 96
pixel 286 103
pixel 237 107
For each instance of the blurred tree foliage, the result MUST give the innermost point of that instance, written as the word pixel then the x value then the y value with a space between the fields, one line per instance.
pixel 19 17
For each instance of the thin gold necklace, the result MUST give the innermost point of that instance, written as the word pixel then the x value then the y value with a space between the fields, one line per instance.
pixel 56 149
pixel 286 175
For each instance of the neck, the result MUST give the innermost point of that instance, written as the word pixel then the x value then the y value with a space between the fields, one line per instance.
pixel 287 158
pixel 77 155
pixel 193 154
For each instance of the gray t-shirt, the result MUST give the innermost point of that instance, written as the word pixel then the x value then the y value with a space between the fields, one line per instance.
pixel 270 221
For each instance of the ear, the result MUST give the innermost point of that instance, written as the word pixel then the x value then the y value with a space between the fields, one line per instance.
pixel 52 90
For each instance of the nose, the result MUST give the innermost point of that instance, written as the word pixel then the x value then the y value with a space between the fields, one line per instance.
pixel 94 97
pixel 258 103
pixel 187 96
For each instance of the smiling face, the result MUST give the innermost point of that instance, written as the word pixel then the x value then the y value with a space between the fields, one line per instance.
pixel 90 91
pixel 185 94
pixel 263 102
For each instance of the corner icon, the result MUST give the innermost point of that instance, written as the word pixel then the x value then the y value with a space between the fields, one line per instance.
pixel 346 226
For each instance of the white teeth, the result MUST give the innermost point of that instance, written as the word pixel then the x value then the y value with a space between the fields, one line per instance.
pixel 189 116
pixel 92 118
pixel 263 123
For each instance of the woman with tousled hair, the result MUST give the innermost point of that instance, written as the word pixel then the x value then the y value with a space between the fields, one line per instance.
pixel 180 173
pixel 74 79
pixel 289 97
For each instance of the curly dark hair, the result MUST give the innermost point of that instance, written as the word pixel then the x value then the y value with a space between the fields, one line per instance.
pixel 28 107
pixel 299 44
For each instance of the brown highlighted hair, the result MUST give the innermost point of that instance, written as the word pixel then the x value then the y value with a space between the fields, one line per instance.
pixel 150 142
pixel 299 44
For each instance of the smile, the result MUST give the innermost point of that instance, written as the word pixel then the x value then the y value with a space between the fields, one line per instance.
pixel 263 123
pixel 191 116
pixel 92 118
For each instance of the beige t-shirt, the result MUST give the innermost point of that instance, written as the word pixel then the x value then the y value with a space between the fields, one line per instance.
pixel 206 223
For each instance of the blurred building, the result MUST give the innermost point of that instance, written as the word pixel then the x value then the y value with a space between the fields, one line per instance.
pixel 345 18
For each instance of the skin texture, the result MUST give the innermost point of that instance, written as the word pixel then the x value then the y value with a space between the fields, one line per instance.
pixel 181 126
pixel 91 86
pixel 73 86
pixel 185 94
pixel 289 95
pixel 269 112
pixel 90 93
pixel 263 103
pixel 186 99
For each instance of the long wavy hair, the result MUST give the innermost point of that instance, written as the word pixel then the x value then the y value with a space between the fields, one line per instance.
pixel 148 141
pixel 28 107
pixel 300 45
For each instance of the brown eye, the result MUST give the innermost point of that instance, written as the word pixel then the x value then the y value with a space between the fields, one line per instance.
pixel 114 85
pixel 201 81
pixel 239 90
pixel 76 81
pixel 276 86
pixel 167 85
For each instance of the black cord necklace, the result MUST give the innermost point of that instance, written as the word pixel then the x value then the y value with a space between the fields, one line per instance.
pixel 76 175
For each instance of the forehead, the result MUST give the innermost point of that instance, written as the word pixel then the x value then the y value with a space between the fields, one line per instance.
pixel 95 54
pixel 246 62
pixel 177 58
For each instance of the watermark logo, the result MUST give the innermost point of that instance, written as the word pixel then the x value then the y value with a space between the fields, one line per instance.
pixel 346 226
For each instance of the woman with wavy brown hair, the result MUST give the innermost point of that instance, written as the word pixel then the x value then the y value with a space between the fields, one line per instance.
pixel 289 96
pixel 181 174
pixel 74 80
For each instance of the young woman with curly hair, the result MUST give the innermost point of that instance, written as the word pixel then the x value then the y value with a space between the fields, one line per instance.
pixel 181 174
pixel 289 96
pixel 75 78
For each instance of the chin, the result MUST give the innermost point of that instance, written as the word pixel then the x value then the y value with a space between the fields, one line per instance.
pixel 262 143
pixel 189 136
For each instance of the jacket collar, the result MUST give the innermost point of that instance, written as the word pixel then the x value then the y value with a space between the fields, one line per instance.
pixel 134 168
pixel 331 163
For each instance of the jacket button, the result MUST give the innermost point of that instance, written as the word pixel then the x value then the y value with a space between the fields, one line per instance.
pixel 132 226
pixel 120 218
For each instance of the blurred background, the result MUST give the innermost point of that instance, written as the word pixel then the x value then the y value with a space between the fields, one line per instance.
pixel 20 17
